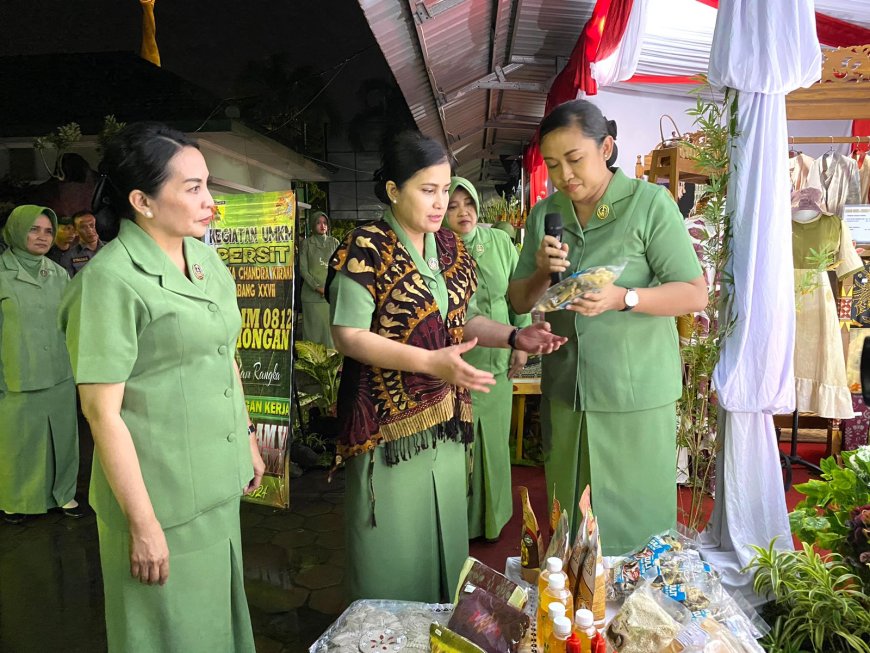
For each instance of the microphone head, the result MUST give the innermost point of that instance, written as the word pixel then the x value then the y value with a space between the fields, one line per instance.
pixel 553 224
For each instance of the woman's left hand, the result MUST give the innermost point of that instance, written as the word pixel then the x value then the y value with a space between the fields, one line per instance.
pixel 259 466
pixel 538 339
pixel 518 362
pixel 609 298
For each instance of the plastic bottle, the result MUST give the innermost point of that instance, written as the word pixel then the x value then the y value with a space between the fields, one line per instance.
pixel 554 566
pixel 557 643
pixel 555 592
pixel 598 644
pixel 584 628
pixel 545 625
pixel 572 644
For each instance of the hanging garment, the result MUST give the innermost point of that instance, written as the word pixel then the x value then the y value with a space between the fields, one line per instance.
pixel 864 178
pixel 799 169
pixel 820 367
pixel 837 177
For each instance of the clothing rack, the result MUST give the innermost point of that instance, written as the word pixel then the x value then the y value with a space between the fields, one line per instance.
pixel 833 140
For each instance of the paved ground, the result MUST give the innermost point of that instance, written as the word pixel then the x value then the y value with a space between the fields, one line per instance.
pixel 51 596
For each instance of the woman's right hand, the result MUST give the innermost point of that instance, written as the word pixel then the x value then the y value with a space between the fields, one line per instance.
pixel 149 553
pixel 447 364
pixel 552 256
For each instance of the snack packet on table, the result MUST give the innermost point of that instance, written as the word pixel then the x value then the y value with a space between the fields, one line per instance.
pixel 560 541
pixel 531 542
pixel 592 279
pixel 625 572
pixel 647 621
pixel 444 640
pixel 586 575
pixel 475 572
pixel 488 621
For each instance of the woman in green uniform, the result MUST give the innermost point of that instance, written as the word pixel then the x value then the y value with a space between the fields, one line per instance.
pixel 151 325
pixel 314 253
pixel 399 291
pixel 490 504
pixel 608 406
pixel 39 443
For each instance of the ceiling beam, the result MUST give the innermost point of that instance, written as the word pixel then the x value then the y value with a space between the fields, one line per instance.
pixel 492 81
pixel 426 10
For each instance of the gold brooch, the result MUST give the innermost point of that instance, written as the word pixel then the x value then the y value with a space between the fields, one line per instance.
pixel 602 212
pixel 479 248
pixel 197 271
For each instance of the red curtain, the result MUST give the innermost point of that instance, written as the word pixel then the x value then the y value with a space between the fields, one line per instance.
pixel 600 38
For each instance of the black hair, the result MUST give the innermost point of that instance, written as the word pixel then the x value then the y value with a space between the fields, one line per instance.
pixel 79 214
pixel 403 156
pixel 136 159
pixel 586 117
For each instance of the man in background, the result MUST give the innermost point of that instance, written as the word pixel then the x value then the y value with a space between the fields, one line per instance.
pixel 77 256
pixel 64 239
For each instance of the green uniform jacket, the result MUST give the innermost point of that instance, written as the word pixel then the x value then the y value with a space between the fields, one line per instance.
pixel 617 361
pixel 33 353
pixel 132 317
pixel 495 258
pixel 314 254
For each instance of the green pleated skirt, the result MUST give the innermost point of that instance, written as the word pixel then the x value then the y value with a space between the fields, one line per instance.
pixel 628 460
pixel 202 607
pixel 39 449
pixel 490 504
pixel 416 550
pixel 315 323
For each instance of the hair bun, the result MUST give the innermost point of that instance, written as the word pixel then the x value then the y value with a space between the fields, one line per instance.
pixel 611 128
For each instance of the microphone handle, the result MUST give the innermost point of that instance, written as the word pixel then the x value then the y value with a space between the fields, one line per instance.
pixel 555 277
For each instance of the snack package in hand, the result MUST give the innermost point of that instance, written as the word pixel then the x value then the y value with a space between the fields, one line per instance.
pixel 488 621
pixel 531 542
pixel 591 279
pixel 475 572
pixel 444 640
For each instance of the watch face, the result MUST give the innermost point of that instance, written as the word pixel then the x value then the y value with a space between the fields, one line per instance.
pixel 631 298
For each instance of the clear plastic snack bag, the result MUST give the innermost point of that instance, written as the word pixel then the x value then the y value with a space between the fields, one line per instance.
pixel 592 279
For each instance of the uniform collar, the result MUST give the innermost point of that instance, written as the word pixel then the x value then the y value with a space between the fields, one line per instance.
pixel 430 250
pixel 605 212
pixel 147 255
pixel 11 263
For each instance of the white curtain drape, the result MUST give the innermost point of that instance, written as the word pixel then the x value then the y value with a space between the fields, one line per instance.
pixel 623 62
pixel 763 50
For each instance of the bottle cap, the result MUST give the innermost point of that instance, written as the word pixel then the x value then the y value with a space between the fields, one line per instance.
pixel 556 581
pixel 556 609
pixel 562 626
pixel 554 565
pixel 584 618
pixel 572 645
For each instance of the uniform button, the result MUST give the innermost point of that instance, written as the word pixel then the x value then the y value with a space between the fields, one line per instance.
pixel 222 350
pixel 231 438
pixel 228 392
pixel 213 308
pixel 45 347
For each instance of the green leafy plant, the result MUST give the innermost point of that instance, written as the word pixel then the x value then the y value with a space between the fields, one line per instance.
pixel 835 514
pixel 111 128
pixel 819 603
pixel 321 366
pixel 61 139
pixel 701 342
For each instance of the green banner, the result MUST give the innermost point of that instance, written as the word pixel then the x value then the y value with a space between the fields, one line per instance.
pixel 253 234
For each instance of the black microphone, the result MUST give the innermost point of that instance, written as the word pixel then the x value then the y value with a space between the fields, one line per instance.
pixel 553 227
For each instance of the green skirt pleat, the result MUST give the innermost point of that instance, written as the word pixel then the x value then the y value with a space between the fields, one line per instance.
pixel 628 460
pixel 490 504
pixel 39 449
pixel 315 323
pixel 202 607
pixel 420 542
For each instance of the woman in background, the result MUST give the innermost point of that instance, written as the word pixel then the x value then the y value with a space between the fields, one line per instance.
pixel 314 253
pixel 39 441
pixel 490 503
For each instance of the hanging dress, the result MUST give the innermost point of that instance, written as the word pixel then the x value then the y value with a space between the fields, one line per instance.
pixel 837 177
pixel 820 367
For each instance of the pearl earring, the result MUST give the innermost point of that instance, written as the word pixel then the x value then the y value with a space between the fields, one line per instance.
pixel 148 214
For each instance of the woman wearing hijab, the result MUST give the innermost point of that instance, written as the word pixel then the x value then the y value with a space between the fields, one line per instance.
pixel 39 445
pixel 314 256
pixel 489 502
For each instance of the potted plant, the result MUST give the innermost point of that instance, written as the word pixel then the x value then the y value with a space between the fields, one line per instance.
pixel 317 374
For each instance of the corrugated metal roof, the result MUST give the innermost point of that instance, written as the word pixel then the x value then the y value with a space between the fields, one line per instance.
pixel 448 55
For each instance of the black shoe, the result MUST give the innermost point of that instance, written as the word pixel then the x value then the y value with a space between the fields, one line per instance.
pixel 13 517
pixel 74 513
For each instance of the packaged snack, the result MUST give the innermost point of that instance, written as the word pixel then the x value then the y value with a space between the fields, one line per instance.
pixel 444 640
pixel 624 573
pixel 531 543
pixel 488 621
pixel 647 621
pixel 586 573
pixel 706 636
pixel 477 573
pixel 555 513
pixel 567 290
pixel 560 545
